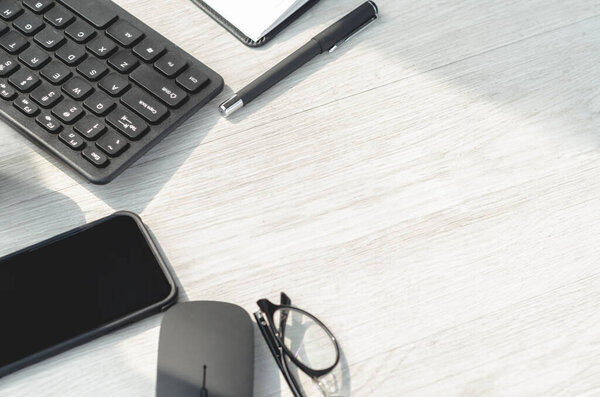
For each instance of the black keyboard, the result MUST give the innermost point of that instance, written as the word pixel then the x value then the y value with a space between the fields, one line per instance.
pixel 92 84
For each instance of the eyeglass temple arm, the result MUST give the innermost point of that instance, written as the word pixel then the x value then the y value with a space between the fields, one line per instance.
pixel 264 330
pixel 269 339
pixel 285 300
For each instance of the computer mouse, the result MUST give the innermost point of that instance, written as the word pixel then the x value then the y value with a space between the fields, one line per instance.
pixel 206 349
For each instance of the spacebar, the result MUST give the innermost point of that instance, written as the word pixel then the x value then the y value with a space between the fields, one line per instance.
pixel 95 12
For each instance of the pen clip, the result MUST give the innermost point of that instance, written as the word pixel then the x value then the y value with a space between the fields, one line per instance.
pixel 357 31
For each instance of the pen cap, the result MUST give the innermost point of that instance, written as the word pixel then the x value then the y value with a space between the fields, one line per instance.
pixel 347 26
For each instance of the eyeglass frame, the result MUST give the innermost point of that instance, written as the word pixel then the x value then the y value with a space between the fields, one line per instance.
pixel 266 324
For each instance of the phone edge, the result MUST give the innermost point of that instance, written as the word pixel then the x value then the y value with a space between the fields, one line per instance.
pixel 96 333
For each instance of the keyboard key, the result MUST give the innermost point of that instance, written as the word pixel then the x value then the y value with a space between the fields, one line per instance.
pixel 144 105
pixel 90 127
pixel 7 66
pixel 6 92
pixel 102 47
pixel 123 61
pixel 148 50
pixel 9 10
pixel 92 74
pixel 59 17
pixel 38 6
pixel 72 139
pixel 27 107
pixel 49 38
pixel 77 88
pixel 99 103
pixel 92 69
pixel 34 57
pixel 70 53
pixel 192 80
pixel 164 89
pixel 126 122
pixel 24 80
pixel 50 123
pixel 95 156
pixel 114 84
pixel 28 24
pixel 80 31
pixel 46 96
pixel 124 33
pixel 55 72
pixel 68 111
pixel 170 65
pixel 13 42
pixel 93 11
pixel 112 144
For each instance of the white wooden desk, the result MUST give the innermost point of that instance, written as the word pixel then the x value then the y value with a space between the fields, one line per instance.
pixel 431 191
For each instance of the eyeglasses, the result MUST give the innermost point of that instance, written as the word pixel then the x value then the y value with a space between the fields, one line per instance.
pixel 296 337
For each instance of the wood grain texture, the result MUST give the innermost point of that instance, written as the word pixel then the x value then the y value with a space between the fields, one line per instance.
pixel 430 191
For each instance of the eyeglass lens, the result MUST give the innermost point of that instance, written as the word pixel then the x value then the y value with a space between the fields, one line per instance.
pixel 305 338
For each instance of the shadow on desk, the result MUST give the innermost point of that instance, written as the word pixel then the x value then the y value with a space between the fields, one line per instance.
pixel 182 295
pixel 30 212
pixel 266 373
pixel 137 186
pixel 267 378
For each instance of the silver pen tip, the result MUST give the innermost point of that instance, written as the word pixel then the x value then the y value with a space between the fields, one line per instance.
pixel 228 107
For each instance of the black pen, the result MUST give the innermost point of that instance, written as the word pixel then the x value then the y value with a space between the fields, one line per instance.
pixel 328 40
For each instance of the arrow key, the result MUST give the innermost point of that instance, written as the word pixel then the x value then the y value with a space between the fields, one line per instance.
pixel 112 144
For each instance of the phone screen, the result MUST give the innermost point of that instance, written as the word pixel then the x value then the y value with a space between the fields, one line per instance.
pixel 76 284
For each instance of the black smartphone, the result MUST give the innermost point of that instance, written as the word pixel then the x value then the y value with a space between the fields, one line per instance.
pixel 78 286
